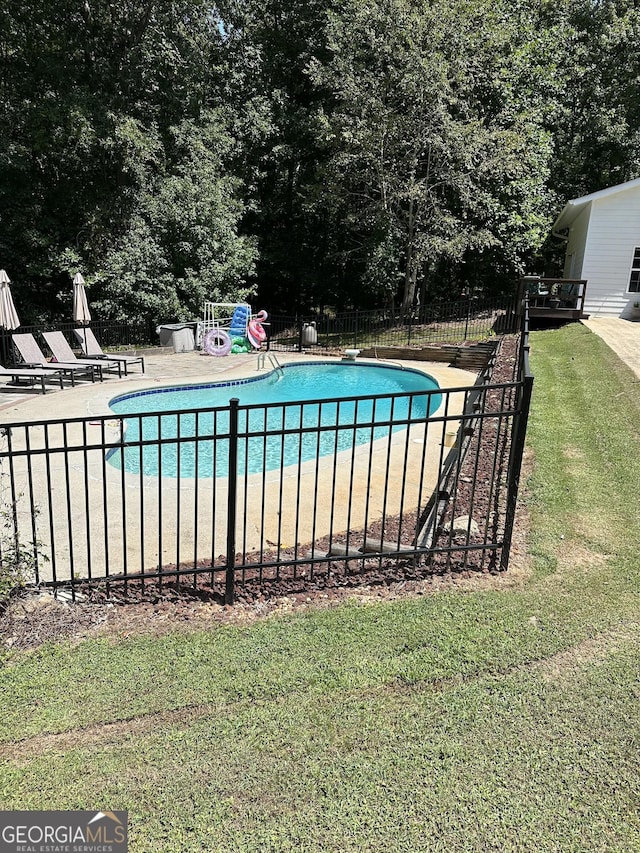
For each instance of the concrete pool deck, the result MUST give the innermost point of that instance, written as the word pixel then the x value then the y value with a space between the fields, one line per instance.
pixel 165 368
pixel 97 515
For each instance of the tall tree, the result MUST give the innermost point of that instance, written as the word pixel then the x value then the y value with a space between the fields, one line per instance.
pixel 432 144
pixel 182 244
pixel 275 103
pixel 94 98
pixel 596 116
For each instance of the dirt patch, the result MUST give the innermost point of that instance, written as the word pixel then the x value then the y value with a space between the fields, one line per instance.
pixel 102 733
pixel 573 555
pixel 572 453
pixel 592 651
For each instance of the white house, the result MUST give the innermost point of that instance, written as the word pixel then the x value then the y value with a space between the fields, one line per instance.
pixel 602 231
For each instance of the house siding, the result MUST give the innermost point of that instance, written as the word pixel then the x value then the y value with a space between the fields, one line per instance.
pixel 612 233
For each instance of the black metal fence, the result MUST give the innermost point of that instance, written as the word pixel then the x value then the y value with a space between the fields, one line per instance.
pixel 248 500
pixel 111 335
pixel 438 322
pixel 441 322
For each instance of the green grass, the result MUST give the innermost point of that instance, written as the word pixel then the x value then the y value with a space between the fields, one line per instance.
pixel 501 720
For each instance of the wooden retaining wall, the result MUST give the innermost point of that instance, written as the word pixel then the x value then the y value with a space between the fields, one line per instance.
pixel 472 356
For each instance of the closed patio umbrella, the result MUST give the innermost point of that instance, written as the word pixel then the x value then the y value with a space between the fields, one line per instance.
pixel 81 313
pixel 9 319
pixel 8 314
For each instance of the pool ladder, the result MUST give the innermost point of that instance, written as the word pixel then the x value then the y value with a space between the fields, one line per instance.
pixel 263 356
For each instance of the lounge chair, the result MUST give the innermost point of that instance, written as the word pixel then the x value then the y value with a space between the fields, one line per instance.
pixel 32 356
pixel 62 352
pixel 92 349
pixel 32 375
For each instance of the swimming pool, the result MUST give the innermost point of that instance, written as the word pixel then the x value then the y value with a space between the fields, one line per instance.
pixel 286 417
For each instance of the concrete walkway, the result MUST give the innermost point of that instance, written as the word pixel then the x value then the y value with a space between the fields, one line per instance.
pixel 623 336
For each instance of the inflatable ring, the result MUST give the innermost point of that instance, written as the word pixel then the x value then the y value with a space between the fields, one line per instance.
pixel 216 342
pixel 256 333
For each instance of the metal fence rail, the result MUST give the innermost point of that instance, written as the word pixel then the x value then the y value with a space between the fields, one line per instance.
pixel 111 335
pixel 271 498
pixel 441 322
pixel 247 497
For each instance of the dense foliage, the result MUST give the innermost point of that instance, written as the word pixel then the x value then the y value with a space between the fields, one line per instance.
pixel 344 153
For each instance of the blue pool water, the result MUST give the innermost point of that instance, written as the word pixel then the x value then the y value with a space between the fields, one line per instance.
pixel 292 399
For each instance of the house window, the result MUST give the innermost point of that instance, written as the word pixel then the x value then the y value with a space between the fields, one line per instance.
pixel 634 281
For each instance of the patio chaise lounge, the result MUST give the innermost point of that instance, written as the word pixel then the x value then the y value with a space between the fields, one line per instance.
pixel 62 352
pixel 32 356
pixel 92 349
pixel 33 375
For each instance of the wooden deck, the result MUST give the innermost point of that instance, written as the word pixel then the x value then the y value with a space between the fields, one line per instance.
pixel 554 298
pixel 544 311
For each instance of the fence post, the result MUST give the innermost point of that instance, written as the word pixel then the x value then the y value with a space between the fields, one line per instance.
pixel 466 322
pixel 5 349
pixel 230 575
pixel 518 436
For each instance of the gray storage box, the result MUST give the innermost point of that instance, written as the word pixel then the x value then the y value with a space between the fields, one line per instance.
pixel 183 340
pixel 180 336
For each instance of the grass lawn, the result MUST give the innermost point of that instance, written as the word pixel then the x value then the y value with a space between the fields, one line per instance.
pixel 500 719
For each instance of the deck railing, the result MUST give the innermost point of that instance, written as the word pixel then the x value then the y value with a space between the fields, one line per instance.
pixel 554 297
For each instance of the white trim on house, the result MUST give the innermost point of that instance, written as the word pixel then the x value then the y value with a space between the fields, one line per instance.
pixel 573 208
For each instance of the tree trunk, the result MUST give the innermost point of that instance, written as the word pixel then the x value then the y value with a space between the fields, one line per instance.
pixel 410 269
pixel 408 298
